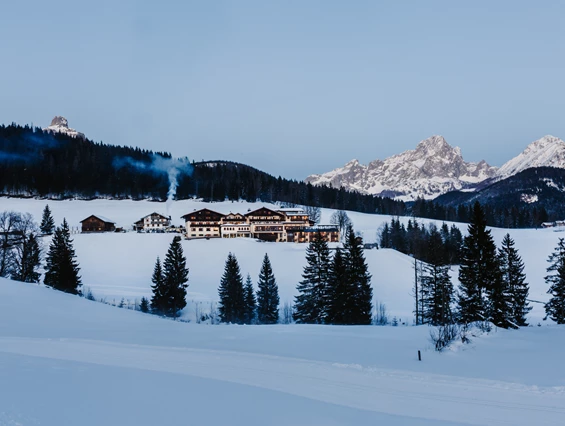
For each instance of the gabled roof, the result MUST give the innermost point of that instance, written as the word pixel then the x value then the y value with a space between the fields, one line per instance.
pixel 102 218
pixel 202 211
pixel 266 210
pixel 155 213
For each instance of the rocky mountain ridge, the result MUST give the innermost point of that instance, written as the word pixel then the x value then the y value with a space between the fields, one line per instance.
pixel 435 168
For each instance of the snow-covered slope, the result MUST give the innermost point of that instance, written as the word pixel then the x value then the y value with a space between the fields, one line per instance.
pixel 61 125
pixel 548 151
pixel 433 168
pixel 65 360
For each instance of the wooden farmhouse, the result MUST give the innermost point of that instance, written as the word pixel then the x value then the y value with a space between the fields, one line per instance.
pixel 154 222
pixel 285 225
pixel 96 223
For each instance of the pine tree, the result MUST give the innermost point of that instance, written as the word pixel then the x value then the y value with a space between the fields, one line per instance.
pixel 311 304
pixel 267 295
pixel 479 271
pixel 144 305
pixel 555 308
pixel 250 302
pixel 160 296
pixel 359 306
pixel 61 271
pixel 512 272
pixel 175 277
pixel 232 308
pixel 340 291
pixel 27 260
pixel 47 223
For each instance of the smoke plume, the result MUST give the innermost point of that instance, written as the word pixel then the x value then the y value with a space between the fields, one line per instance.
pixel 171 167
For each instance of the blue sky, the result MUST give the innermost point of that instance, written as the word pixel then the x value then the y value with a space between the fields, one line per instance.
pixel 290 87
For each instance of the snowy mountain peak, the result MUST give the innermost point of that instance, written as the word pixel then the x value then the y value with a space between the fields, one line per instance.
pixel 60 121
pixel 60 124
pixel 433 168
pixel 548 151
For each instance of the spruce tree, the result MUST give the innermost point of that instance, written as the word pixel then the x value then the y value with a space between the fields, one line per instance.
pixel 555 307
pixel 144 305
pixel 28 260
pixel 159 299
pixel 340 291
pixel 479 271
pixel 175 277
pixel 437 291
pixel 311 304
pixel 47 223
pixel 232 306
pixel 359 306
pixel 61 270
pixel 250 302
pixel 267 294
pixel 512 271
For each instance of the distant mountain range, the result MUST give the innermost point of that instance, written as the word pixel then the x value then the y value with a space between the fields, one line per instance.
pixel 435 168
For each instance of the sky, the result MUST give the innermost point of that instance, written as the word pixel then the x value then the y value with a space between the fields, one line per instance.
pixel 290 87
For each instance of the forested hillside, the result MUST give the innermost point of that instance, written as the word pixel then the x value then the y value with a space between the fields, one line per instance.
pixel 37 163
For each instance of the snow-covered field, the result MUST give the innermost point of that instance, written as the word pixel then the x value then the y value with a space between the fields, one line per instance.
pixel 65 360
pixel 116 265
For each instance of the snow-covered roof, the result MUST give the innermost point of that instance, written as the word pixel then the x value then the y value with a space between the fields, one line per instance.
pixel 154 213
pixel 102 218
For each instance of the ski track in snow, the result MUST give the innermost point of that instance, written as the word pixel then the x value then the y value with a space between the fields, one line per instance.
pixel 471 401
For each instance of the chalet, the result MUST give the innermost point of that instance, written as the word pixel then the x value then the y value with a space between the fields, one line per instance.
pixel 292 225
pixel 153 222
pixel 96 223
pixel 204 223
pixel 267 224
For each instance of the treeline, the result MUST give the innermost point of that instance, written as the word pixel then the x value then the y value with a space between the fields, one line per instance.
pixel 509 215
pixel 426 243
pixel 33 162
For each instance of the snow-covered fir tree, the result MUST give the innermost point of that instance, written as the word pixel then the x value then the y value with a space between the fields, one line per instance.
pixel 359 307
pixel 267 294
pixel 144 305
pixel 232 306
pixel 159 297
pixel 436 289
pixel 169 295
pixel 47 223
pixel 555 307
pixel 514 279
pixel 61 269
pixel 250 301
pixel 341 292
pixel 479 271
pixel 310 306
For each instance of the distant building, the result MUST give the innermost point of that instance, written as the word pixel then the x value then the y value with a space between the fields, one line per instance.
pixel 285 225
pixel 553 224
pixel 152 223
pixel 96 223
pixel 203 223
